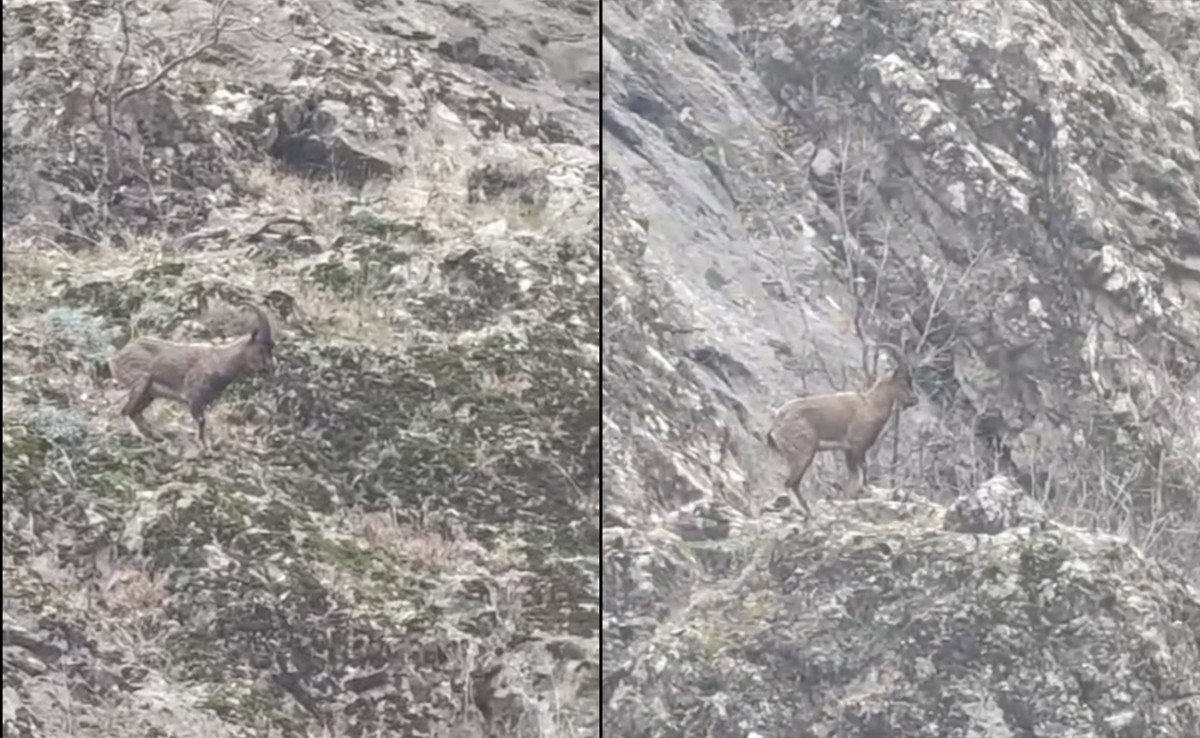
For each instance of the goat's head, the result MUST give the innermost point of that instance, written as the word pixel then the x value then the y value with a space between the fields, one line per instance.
pixel 900 379
pixel 260 348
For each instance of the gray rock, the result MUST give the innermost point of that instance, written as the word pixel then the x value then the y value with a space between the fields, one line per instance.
pixel 1009 192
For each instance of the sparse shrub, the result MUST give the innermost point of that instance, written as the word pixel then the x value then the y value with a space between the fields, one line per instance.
pixel 75 339
pixel 62 426
pixel 24 456
pixel 362 270
pixel 373 224
pixel 496 180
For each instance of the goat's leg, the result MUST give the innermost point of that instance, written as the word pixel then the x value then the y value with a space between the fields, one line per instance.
pixel 198 416
pixel 140 397
pixel 799 459
pixel 855 464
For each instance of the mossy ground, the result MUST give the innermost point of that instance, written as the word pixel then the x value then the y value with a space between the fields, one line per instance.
pixel 412 495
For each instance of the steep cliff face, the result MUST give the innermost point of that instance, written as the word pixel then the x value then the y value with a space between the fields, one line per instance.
pixel 1009 191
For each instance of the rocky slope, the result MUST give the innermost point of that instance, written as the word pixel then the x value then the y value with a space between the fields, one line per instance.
pixel 398 532
pixel 1010 192
pixel 908 619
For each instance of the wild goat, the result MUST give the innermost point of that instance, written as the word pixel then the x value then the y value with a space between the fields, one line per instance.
pixel 194 374
pixel 840 421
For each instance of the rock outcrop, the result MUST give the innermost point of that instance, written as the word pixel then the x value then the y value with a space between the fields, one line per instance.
pixel 885 619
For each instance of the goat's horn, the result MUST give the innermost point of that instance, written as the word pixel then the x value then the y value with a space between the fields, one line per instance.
pixel 264 325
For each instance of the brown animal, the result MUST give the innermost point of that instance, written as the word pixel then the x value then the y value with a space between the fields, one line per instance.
pixel 194 374
pixel 840 421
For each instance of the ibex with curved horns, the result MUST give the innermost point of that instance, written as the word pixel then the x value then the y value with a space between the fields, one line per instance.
pixel 194 374
pixel 840 421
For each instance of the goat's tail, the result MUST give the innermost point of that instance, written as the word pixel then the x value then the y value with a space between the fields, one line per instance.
pixel 771 440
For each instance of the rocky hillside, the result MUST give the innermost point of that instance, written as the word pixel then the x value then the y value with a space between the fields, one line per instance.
pixel 1011 193
pixel 395 534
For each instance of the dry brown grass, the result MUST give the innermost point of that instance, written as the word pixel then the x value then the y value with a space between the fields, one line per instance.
pixel 418 546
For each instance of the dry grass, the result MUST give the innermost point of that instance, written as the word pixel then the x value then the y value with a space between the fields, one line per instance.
pixel 419 546
pixel 121 605
pixel 123 600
